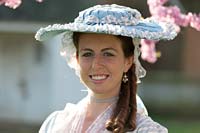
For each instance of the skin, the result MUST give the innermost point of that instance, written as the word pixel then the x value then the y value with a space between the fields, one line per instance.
pixel 102 64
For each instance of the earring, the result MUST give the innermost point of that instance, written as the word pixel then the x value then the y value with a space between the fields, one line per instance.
pixel 125 78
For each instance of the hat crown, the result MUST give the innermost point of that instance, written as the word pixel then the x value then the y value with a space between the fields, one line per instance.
pixel 109 14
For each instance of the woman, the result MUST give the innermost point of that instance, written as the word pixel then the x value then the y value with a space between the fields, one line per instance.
pixel 102 44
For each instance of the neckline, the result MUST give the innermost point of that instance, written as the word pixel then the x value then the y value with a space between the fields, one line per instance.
pixel 107 110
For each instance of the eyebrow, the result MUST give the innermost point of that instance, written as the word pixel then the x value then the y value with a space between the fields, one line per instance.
pixel 86 49
pixel 105 49
pixel 110 48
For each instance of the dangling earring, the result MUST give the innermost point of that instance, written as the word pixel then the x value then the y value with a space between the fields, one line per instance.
pixel 125 78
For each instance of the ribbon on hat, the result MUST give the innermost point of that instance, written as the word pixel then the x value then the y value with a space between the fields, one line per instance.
pixel 109 16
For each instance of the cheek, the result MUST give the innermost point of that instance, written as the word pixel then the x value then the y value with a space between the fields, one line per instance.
pixel 117 64
pixel 84 65
pixel 84 70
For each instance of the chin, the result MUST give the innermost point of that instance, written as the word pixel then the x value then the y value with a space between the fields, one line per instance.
pixel 98 91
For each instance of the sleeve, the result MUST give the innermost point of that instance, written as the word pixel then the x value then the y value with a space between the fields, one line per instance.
pixel 146 125
pixel 48 123
pixel 141 109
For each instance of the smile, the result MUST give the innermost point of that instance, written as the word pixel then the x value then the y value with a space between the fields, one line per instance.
pixel 99 77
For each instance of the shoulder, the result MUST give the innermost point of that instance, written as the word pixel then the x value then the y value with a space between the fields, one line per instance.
pixel 146 125
pixel 49 122
pixel 141 109
pixel 57 118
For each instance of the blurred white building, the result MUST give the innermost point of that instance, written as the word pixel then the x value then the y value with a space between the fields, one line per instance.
pixel 34 79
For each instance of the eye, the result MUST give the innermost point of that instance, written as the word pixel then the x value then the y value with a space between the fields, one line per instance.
pixel 87 54
pixel 109 54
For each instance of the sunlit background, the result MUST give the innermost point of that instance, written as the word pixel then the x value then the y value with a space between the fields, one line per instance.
pixel 35 80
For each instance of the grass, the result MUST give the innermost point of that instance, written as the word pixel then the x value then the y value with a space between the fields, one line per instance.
pixel 184 127
pixel 177 125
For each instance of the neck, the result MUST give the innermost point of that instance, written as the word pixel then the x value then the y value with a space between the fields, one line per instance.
pixel 108 100
pixel 98 105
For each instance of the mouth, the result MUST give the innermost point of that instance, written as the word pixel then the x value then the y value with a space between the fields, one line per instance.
pixel 99 77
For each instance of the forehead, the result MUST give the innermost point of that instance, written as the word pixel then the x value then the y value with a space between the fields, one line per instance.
pixel 99 41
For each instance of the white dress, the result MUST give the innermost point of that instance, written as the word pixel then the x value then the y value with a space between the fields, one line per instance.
pixel 70 120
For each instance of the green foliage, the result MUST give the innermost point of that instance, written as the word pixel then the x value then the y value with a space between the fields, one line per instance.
pixel 177 125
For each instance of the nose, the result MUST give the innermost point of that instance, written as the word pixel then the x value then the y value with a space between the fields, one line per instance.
pixel 98 62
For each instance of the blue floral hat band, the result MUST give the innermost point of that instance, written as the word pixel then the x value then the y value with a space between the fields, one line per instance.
pixel 109 15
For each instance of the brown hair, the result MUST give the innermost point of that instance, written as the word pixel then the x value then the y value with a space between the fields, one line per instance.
pixel 124 115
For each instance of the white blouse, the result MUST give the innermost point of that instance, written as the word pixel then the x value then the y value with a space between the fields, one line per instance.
pixel 70 120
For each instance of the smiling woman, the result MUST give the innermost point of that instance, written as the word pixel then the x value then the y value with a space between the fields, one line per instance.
pixel 102 63
pixel 102 45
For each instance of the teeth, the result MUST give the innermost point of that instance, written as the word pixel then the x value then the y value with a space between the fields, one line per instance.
pixel 98 77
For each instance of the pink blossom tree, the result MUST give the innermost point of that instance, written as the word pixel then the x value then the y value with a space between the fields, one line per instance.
pixel 170 14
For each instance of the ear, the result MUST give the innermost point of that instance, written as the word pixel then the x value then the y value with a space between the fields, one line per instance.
pixel 128 63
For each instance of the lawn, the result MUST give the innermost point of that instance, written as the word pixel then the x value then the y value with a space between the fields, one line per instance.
pixel 179 126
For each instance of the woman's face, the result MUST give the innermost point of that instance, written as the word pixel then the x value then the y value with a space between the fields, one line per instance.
pixel 102 63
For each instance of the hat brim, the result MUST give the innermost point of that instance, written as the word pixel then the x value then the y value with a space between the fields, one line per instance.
pixel 145 29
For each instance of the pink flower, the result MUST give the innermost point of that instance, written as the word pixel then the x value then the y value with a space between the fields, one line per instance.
pixel 195 21
pixel 148 50
pixel 39 0
pixel 167 14
pixel 172 14
pixel 11 3
pixel 1 2
pixel 156 2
